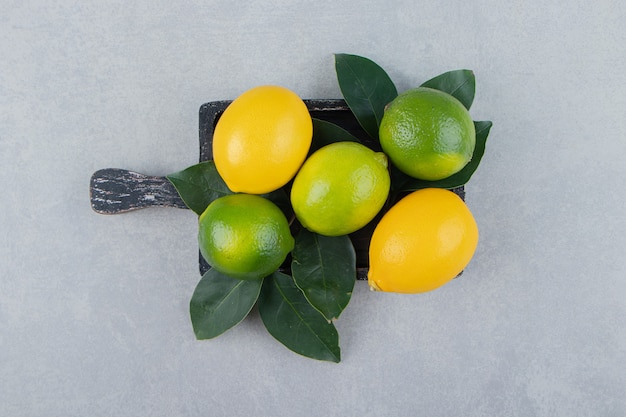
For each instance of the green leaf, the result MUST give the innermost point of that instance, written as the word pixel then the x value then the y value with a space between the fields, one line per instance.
pixel 367 89
pixel 406 183
pixel 291 320
pixel 198 185
pixel 325 133
pixel 221 302
pixel 460 84
pixel 324 268
pixel 280 197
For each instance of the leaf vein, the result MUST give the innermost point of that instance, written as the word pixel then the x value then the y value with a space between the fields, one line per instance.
pixel 302 320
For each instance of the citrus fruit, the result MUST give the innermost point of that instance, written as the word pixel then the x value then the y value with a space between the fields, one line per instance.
pixel 262 139
pixel 427 134
pixel 340 188
pixel 244 236
pixel 422 242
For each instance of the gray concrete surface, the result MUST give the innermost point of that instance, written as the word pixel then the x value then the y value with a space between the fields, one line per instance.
pixel 94 309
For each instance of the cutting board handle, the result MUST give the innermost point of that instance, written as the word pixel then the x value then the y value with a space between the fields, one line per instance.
pixel 114 191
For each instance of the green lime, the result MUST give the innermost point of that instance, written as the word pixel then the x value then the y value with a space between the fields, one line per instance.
pixel 244 236
pixel 340 188
pixel 427 134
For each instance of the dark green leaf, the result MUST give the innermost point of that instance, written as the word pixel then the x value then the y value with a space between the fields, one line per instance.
pixel 405 183
pixel 325 133
pixel 324 268
pixel 290 319
pixel 281 198
pixel 367 89
pixel 460 84
pixel 220 302
pixel 198 185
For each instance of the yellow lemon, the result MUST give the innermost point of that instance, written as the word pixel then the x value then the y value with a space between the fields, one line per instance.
pixel 427 134
pixel 244 236
pixel 422 242
pixel 262 139
pixel 340 188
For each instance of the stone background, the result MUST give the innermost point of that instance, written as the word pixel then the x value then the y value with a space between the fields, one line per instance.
pixel 94 309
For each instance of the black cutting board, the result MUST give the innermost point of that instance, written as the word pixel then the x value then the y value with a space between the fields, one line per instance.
pixel 115 190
